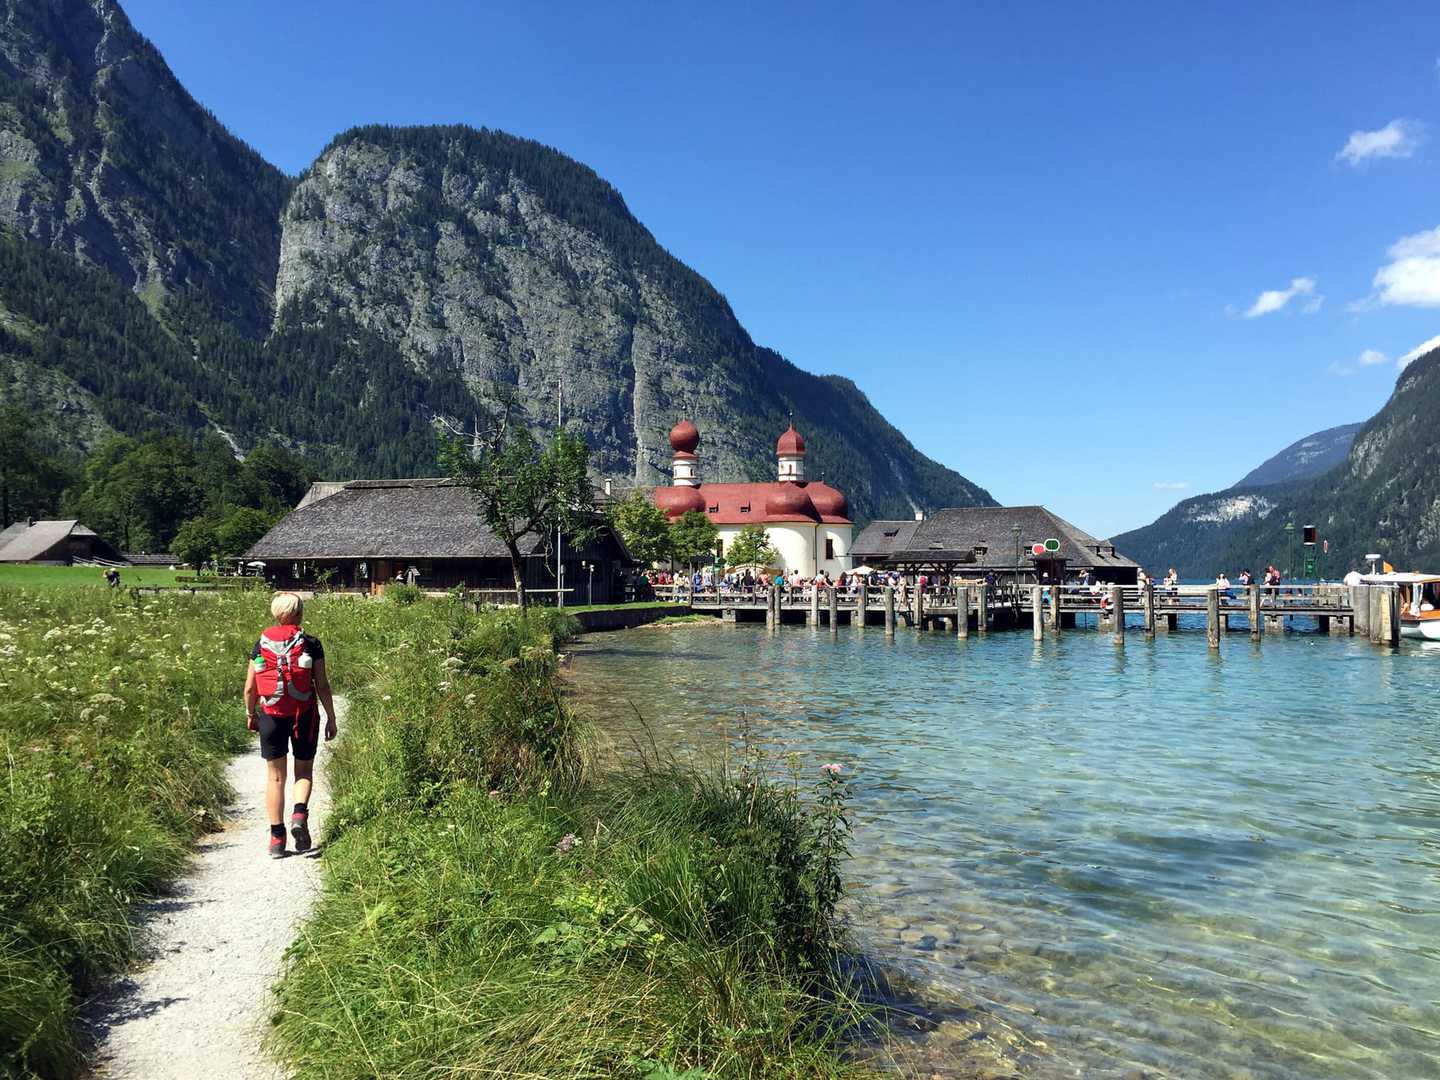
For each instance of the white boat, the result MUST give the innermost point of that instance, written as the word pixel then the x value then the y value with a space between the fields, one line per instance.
pixel 1419 602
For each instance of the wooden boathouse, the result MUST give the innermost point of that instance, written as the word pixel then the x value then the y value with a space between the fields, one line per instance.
pixel 981 541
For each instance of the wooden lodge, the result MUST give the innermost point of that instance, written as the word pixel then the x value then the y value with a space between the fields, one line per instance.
pixel 362 534
pixel 976 541
pixel 54 542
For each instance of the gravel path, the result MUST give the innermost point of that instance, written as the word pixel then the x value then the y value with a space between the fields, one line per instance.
pixel 199 1005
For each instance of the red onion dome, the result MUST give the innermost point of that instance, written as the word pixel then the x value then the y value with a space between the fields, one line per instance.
pixel 790 442
pixel 684 437
pixel 677 500
pixel 789 500
pixel 828 501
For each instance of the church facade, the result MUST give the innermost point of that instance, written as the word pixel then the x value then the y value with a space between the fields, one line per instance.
pixel 807 522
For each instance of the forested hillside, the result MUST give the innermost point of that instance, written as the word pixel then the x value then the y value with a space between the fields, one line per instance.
pixel 158 275
pixel 1384 497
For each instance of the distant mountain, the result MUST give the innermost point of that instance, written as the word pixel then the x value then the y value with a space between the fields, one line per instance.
pixel 155 272
pixel 1195 535
pixel 1383 494
pixel 1311 456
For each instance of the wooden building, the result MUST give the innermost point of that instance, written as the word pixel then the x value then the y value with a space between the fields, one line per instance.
pixel 56 542
pixel 980 540
pixel 361 534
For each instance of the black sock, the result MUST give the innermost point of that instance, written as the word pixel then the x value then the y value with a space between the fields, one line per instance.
pixel 301 808
pixel 277 831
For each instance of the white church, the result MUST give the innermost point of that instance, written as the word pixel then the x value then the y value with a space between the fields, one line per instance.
pixel 807 522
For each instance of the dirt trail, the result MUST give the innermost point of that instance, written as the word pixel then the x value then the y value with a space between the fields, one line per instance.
pixel 200 1004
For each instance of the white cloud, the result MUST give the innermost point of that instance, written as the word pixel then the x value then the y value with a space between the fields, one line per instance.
pixel 1417 352
pixel 1367 358
pixel 1274 299
pixel 1397 139
pixel 1170 485
pixel 1412 276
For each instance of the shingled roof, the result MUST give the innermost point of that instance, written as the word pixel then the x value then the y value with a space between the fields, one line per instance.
pixel 982 536
pixel 388 519
pixel 28 540
pixel 878 539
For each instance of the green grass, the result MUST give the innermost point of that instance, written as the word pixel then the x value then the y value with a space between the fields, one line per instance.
pixel 115 720
pixel 495 906
pixel 23 576
pixel 493 902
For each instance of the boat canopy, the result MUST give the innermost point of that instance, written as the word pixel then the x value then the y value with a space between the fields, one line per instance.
pixel 1399 579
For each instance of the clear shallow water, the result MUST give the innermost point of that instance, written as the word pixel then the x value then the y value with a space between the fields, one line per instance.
pixel 1151 858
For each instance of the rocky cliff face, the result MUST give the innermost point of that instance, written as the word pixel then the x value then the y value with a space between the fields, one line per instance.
pixel 103 155
pixel 1309 457
pixel 404 279
pixel 492 257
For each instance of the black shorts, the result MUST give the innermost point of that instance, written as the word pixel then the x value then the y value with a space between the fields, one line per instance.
pixel 280 735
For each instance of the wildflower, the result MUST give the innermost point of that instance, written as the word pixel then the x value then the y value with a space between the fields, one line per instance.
pixel 831 771
pixel 566 843
pixel 384 697
pixel 495 793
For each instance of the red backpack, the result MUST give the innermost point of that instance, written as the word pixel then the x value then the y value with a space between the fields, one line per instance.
pixel 284 677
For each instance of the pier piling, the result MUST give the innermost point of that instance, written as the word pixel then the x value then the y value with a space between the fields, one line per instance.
pixel 1257 624
pixel 862 605
pixel 814 604
pixel 982 609
pixel 962 611
pixel 889 610
pixel 1212 617
pixel 1117 612
pixel 919 608
pixel 1037 611
pixel 1055 617
pixel 1147 601
pixel 834 610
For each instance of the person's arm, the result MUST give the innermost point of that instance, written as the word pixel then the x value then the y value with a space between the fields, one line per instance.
pixel 252 696
pixel 322 691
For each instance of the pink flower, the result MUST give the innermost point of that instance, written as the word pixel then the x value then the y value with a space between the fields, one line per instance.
pixel 566 843
pixel 832 771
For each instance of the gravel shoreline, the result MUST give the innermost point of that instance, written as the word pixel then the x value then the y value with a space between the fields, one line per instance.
pixel 214 946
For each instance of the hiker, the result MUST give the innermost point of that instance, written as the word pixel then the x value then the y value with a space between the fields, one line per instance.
pixel 284 679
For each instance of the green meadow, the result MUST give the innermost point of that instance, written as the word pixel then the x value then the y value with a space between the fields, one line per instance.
pixel 499 898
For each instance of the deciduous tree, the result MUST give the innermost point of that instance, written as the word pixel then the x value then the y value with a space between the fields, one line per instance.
pixel 694 537
pixel 524 488
pixel 643 526
pixel 752 545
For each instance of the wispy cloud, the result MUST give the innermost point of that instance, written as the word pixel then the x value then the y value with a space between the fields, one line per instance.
pixel 1397 139
pixel 1412 276
pixel 1417 352
pixel 1272 300
pixel 1367 358
pixel 1170 485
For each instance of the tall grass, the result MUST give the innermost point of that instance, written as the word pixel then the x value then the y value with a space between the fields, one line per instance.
pixel 115 719
pixel 494 905
pixel 496 908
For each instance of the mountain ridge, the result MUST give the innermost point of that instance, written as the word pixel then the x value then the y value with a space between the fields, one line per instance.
pixel 1382 495
pixel 400 279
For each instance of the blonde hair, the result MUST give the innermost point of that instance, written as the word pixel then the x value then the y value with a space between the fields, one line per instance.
pixel 287 609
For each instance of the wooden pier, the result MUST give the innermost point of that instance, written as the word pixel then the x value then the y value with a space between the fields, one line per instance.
pixel 975 608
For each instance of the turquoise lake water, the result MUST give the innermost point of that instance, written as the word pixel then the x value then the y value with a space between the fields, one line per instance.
pixel 1152 858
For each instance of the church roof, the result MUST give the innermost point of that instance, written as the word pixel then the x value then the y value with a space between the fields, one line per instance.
pixel 746 504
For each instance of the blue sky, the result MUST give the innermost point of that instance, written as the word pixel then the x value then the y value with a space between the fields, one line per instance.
pixel 1040 239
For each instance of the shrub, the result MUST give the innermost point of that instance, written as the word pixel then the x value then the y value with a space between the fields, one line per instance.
pixel 402 594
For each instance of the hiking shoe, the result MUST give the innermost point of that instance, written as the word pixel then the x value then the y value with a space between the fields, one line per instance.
pixel 277 847
pixel 300 830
